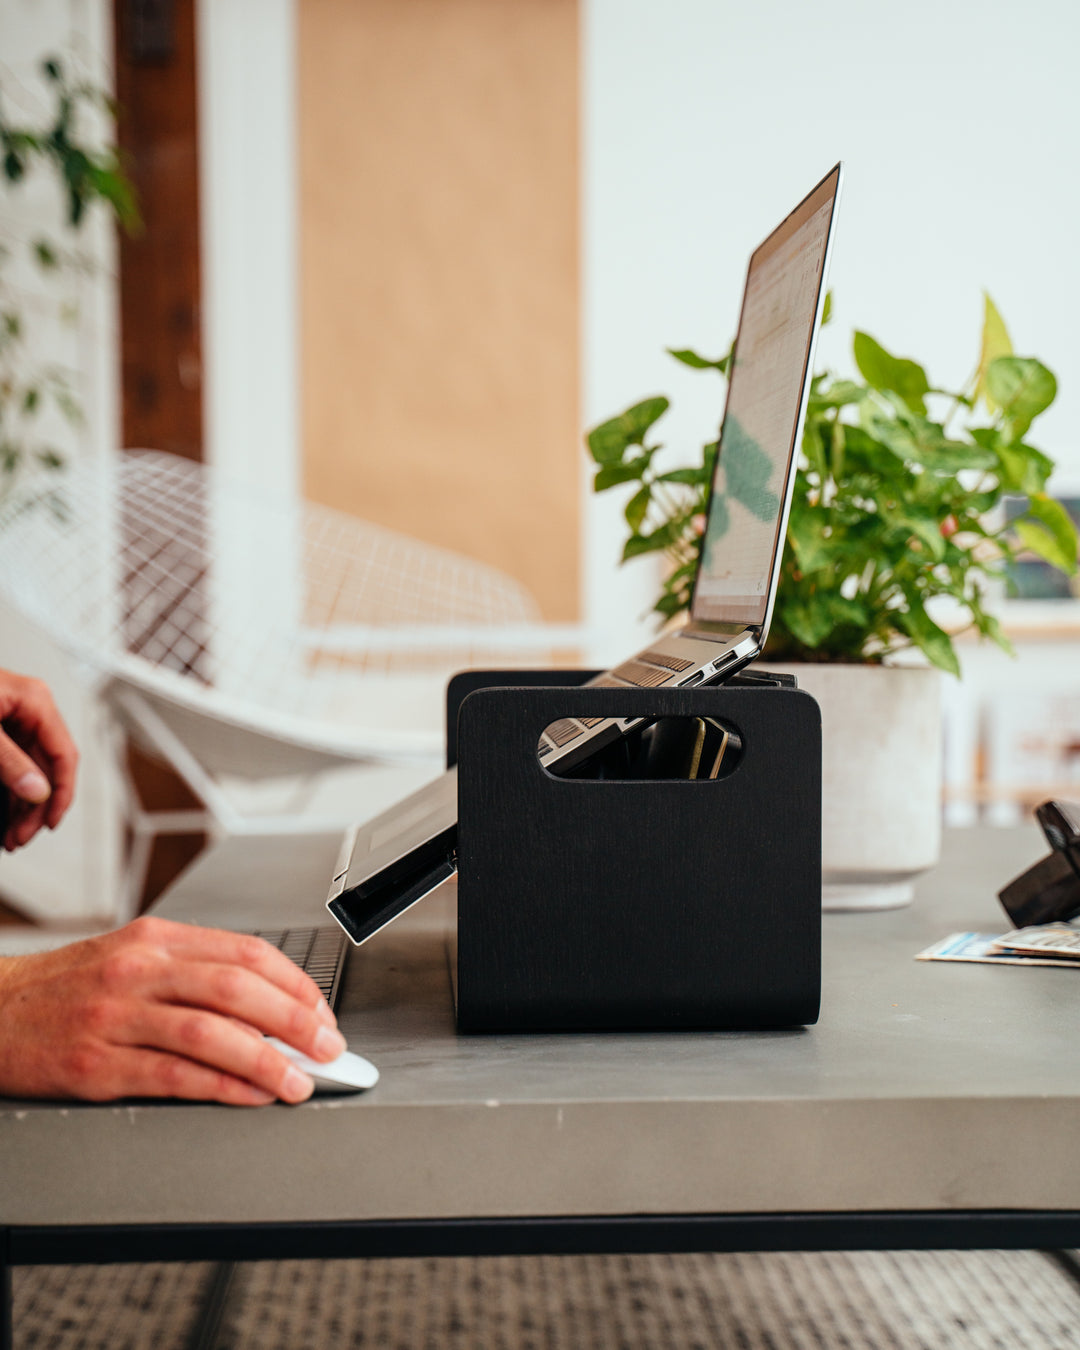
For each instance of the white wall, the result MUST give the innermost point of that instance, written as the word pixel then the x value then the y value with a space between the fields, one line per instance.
pixel 246 68
pixel 706 120
pixel 247 166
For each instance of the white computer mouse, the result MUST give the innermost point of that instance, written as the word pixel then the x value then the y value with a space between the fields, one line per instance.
pixel 347 1073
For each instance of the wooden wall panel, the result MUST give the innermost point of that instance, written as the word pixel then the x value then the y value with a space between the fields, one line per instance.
pixel 159 266
pixel 159 285
pixel 438 158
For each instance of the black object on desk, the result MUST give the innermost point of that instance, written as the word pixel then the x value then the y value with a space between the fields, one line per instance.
pixel 652 903
pixel 1049 891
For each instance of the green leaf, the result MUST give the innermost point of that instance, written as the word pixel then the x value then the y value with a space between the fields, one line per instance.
pixel 931 640
pixel 837 394
pixel 863 454
pixel 846 612
pixel 920 441
pixel 696 362
pixel 691 477
pixel 1023 468
pixel 813 447
pixel 638 544
pixel 809 623
pixel 45 254
pixel 683 573
pixel 836 447
pixel 979 503
pixel 611 475
pixel 637 507
pixel 988 625
pixel 885 371
pixel 610 440
pixel 662 537
pixel 1022 387
pixel 995 342
pixel 1055 521
pixel 809 541
pixel 113 186
pixel 671 603
pixel 826 309
pixel 923 527
pixel 954 457
pixel 76 206
pixel 1041 467
pixel 1043 544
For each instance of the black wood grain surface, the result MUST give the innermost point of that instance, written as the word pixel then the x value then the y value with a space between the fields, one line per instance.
pixel 638 904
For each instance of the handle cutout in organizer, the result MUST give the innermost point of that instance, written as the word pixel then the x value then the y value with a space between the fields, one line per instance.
pixel 698 748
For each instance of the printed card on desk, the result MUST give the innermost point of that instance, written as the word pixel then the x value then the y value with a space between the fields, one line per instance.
pixel 986 947
pixel 1060 940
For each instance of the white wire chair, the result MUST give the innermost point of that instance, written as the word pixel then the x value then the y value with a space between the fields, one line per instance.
pixel 239 636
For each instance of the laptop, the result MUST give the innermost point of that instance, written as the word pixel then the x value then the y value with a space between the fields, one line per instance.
pixel 390 862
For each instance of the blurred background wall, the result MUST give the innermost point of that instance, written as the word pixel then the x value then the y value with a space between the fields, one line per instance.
pixel 437 238
pixel 505 209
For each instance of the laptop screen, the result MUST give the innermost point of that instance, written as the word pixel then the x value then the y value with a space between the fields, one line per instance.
pixel 763 417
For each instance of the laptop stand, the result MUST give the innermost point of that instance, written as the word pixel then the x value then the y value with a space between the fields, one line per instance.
pixel 640 902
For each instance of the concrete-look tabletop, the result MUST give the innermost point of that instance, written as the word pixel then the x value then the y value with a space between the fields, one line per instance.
pixel 924 1086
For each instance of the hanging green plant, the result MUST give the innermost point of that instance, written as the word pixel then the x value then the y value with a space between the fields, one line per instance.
pixel 88 174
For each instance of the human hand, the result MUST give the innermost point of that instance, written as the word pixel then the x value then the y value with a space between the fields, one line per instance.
pixel 160 1009
pixel 38 759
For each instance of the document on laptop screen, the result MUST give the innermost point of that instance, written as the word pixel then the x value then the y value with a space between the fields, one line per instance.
pixel 760 421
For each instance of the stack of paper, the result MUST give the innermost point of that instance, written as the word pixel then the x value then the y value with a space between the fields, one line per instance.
pixel 1051 944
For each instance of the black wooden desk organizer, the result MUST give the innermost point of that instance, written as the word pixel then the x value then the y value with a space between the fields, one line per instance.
pixel 655 903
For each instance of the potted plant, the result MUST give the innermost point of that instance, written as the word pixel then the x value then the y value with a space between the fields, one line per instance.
pixel 896 539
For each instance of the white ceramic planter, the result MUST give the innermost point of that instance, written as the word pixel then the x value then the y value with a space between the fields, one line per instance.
pixel 881 780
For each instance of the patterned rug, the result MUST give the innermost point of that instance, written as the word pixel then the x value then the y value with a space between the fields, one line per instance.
pixel 805 1301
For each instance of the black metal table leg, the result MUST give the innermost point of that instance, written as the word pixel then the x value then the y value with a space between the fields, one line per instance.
pixel 7 1341
pixel 204 1334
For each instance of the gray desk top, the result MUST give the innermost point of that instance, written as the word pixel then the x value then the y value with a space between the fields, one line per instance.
pixel 924 1086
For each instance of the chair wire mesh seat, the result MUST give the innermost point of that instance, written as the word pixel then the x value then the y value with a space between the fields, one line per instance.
pixel 242 636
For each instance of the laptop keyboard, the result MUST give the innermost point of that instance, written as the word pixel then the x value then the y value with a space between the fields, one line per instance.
pixel 563 731
pixel 319 952
pixel 676 663
pixel 649 670
pixel 637 672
